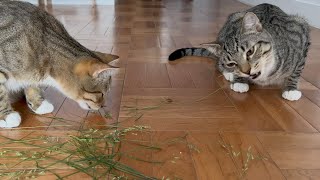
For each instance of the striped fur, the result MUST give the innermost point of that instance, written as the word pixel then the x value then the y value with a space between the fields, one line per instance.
pixel 190 52
pixel 262 45
pixel 35 50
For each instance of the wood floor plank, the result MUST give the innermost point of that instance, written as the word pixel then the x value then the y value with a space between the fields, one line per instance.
pixel 310 91
pixel 143 26
pixel 177 161
pixel 122 52
pixel 99 29
pixel 282 113
pixel 272 141
pixel 157 76
pixel 166 40
pixel 179 96
pixel 181 42
pixel 35 136
pixel 151 52
pixel 116 40
pixel 144 41
pixel 296 158
pixel 71 115
pixel 292 151
pixel 118 31
pixel 252 111
pixel 50 176
pixel 192 124
pixel 308 110
pixel 212 162
pixel 188 94
pixel 135 75
pixel 131 151
pixel 185 109
pixel 189 112
pixel 311 74
pixel 192 95
pixel 262 166
pixel 179 77
pixel 201 76
pixel 301 174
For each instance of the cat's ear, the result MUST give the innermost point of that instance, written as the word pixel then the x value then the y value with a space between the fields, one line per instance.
pixel 106 58
pixel 98 68
pixel 251 22
pixel 91 67
pixel 213 48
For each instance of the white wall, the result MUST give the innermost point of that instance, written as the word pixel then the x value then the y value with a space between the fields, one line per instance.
pixel 310 9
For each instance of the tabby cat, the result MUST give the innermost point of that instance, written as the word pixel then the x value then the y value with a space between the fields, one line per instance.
pixel 35 50
pixel 262 45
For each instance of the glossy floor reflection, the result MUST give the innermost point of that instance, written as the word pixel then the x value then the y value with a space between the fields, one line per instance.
pixel 71 2
pixel 198 101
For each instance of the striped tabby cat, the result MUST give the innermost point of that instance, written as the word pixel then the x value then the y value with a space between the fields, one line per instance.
pixel 35 50
pixel 262 45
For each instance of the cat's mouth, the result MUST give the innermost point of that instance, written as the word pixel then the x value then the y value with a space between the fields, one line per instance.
pixel 86 106
pixel 256 75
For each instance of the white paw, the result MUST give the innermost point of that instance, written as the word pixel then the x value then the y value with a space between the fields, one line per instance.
pixel 12 120
pixel 228 76
pixel 240 87
pixel 45 108
pixel 291 95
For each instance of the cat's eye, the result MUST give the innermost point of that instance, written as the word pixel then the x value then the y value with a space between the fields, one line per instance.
pixel 92 100
pixel 250 52
pixel 230 65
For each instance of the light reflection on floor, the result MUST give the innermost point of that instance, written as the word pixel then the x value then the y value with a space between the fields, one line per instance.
pixel 72 2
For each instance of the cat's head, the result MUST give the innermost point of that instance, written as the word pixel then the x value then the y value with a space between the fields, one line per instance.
pixel 93 81
pixel 248 53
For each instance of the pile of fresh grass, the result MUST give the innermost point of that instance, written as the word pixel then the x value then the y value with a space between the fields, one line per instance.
pixel 95 153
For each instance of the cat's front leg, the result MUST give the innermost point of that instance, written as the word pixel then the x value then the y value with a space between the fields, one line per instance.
pixel 239 84
pixel 8 117
pixel 36 101
pixel 291 91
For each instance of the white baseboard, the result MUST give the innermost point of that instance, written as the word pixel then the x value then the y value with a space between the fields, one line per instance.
pixel 310 9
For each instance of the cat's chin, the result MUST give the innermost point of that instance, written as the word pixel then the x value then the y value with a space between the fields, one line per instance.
pixel 83 105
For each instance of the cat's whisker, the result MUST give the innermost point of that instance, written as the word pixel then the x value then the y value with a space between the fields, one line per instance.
pixel 251 37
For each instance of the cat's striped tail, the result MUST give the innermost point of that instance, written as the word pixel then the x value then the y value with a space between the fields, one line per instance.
pixel 177 54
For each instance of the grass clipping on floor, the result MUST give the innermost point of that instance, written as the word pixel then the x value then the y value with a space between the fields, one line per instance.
pixel 93 152
pixel 248 155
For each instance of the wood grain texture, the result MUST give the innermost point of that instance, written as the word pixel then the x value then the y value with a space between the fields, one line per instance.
pixel 184 97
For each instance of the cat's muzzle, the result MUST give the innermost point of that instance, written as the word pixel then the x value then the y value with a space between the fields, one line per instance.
pixel 256 75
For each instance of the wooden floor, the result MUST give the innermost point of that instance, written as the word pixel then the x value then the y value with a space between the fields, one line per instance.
pixel 188 96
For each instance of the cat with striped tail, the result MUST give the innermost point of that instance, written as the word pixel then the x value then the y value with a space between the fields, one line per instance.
pixel 262 45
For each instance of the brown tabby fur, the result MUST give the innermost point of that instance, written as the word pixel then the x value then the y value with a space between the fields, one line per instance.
pixel 35 50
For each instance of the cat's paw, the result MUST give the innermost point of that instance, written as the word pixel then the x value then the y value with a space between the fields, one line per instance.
pixel 292 95
pixel 228 76
pixel 44 108
pixel 239 87
pixel 11 120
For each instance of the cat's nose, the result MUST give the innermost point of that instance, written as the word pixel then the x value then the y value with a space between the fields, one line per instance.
pixel 245 68
pixel 247 71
